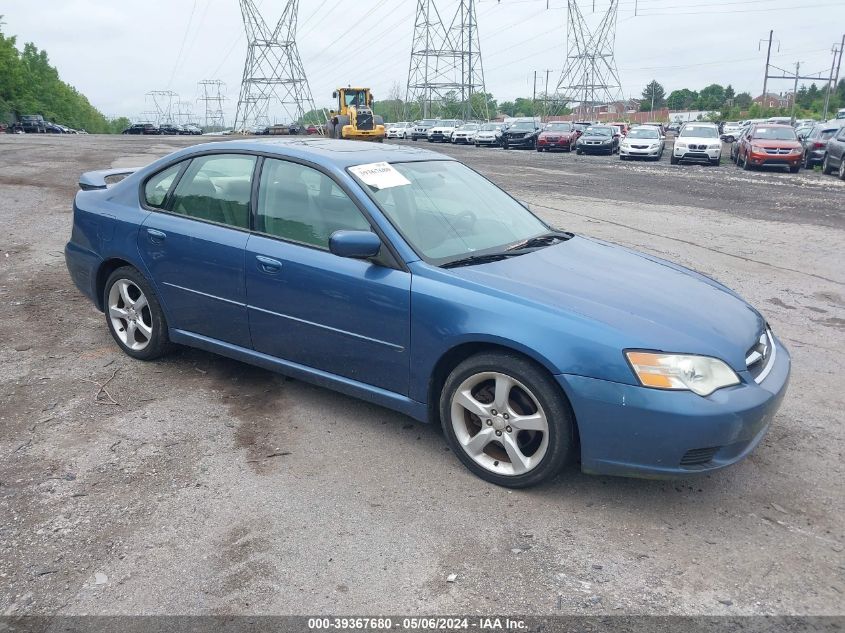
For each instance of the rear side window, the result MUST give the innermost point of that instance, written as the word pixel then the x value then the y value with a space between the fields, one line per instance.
pixel 155 191
pixel 217 189
pixel 301 204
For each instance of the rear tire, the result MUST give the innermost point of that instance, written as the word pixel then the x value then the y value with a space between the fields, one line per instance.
pixel 134 316
pixel 826 168
pixel 530 437
pixel 842 168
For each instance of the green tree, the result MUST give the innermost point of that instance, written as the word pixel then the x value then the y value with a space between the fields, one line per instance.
pixel 711 98
pixel 743 100
pixel 729 93
pixel 683 99
pixel 654 96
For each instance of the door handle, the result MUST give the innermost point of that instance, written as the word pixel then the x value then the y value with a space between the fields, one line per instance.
pixel 156 237
pixel 268 265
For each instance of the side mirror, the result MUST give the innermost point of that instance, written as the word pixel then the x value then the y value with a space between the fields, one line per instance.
pixel 355 244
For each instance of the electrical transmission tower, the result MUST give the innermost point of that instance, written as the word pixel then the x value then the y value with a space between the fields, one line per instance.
pixel 184 112
pixel 162 101
pixel 273 72
pixel 589 76
pixel 212 96
pixel 445 70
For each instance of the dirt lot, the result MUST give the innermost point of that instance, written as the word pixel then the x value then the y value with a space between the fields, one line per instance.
pixel 214 487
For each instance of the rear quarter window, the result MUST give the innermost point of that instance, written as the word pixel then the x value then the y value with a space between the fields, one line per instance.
pixel 155 191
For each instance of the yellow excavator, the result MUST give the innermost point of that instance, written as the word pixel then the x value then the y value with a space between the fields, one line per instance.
pixel 354 118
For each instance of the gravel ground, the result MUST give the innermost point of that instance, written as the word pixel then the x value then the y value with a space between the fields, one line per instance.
pixel 215 487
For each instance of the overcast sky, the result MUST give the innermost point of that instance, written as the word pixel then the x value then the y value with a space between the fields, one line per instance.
pixel 115 52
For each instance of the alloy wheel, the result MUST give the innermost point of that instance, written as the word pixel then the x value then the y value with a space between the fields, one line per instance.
pixel 130 314
pixel 499 423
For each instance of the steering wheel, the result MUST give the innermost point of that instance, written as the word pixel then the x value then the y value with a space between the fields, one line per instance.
pixel 464 221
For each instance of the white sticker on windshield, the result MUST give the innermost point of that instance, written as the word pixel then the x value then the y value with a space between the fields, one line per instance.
pixel 380 175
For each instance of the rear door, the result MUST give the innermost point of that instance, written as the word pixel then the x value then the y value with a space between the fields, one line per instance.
pixel 193 245
pixel 345 316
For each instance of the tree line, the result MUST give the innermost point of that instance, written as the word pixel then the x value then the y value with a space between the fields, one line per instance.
pixel 809 101
pixel 30 85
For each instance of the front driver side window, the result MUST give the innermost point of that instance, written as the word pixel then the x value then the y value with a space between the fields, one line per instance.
pixel 216 188
pixel 301 204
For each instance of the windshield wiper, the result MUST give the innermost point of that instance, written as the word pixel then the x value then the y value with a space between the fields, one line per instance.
pixel 547 239
pixel 478 259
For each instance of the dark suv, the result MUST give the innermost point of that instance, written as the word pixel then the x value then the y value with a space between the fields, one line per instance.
pixel 142 128
pixel 815 143
pixel 834 158
pixel 33 124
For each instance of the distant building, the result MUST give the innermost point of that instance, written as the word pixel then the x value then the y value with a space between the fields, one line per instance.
pixel 772 100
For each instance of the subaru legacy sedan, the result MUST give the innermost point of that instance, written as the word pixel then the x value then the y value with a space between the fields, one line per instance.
pixel 401 276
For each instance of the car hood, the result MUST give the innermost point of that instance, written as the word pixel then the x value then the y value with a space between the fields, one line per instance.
pixel 650 303
pixel 553 133
pixel 774 143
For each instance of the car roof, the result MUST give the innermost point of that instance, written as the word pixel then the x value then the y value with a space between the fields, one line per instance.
pixel 325 151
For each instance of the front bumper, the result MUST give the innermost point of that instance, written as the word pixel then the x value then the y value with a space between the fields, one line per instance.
pixel 438 137
pixel 633 152
pixel 560 143
pixel 607 148
pixel 520 142
pixel 634 431
pixel 415 135
pixel 759 160
pixel 463 139
pixel 697 155
pixel 486 141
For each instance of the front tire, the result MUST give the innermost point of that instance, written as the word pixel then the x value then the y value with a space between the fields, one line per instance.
pixel 134 315
pixel 673 159
pixel 842 168
pixel 506 419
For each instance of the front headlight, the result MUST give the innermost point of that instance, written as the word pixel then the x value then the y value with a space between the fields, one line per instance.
pixel 757 149
pixel 715 146
pixel 700 374
pixel 681 145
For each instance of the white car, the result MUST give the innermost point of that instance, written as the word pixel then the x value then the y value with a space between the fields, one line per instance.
pixel 465 133
pixel 643 141
pixel 399 130
pixel 730 132
pixel 488 134
pixel 442 130
pixel 697 142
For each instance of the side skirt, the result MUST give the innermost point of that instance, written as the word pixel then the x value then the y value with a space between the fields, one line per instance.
pixel 382 397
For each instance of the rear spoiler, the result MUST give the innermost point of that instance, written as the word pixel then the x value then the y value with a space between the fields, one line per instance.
pixel 97 179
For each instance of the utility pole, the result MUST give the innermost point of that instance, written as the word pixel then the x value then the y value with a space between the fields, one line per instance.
pixel 768 57
pixel 795 91
pixel 546 95
pixel 831 83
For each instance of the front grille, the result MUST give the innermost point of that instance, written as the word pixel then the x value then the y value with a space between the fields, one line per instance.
pixel 364 120
pixel 761 355
pixel 699 456
pixel 639 146
pixel 516 135
pixel 697 147
pixel 552 139
pixel 777 150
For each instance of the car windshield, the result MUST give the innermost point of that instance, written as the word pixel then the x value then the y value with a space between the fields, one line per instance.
pixel 699 132
pixel 445 123
pixel 559 127
pixel 775 133
pixel 428 121
pixel 446 211
pixel 489 127
pixel 643 132
pixel 599 131
pixel 522 125
pixel 469 126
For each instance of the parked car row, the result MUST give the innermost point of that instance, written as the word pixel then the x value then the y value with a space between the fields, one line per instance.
pixel 36 124
pixel 164 128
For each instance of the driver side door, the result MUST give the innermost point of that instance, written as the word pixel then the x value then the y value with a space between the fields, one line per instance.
pixel 348 317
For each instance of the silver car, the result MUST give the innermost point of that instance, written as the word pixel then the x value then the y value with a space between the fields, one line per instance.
pixel 488 134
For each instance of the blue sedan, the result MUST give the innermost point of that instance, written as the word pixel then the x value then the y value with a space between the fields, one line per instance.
pixel 403 277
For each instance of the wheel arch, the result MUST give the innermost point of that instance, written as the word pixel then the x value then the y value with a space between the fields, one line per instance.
pixel 107 267
pixel 455 355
